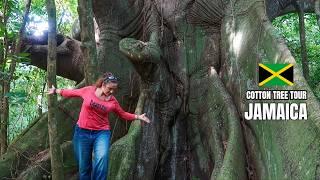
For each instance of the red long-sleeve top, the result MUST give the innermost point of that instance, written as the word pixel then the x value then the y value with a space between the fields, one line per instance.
pixel 94 114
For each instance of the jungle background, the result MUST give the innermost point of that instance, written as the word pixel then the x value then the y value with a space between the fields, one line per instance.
pixel 27 96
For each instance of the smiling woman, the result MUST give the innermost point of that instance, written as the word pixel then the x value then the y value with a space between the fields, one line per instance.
pixel 92 132
pixel 111 85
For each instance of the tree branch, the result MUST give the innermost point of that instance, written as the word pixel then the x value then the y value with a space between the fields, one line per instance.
pixel 144 55
pixel 69 56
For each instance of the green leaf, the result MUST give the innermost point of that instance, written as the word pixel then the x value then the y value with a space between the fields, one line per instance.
pixel 17 96
pixel 24 54
pixel 22 59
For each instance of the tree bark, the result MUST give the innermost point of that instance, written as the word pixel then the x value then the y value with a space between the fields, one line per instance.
pixel 276 8
pixel 317 11
pixel 54 141
pixel 88 45
pixel 302 32
pixel 260 44
pixel 3 100
pixel 193 89
pixel 70 62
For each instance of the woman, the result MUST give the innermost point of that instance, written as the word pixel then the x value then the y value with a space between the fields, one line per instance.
pixel 92 131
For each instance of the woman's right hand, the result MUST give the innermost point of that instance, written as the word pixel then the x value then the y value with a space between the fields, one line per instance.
pixel 53 90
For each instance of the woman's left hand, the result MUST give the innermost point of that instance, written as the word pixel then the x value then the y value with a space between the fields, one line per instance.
pixel 143 117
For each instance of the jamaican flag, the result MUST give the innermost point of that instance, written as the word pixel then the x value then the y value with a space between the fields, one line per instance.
pixel 275 74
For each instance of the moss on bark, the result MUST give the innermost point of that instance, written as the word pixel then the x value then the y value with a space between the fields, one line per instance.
pixel 123 152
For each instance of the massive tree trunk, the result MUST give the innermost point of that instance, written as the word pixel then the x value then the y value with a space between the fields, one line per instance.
pixel 189 64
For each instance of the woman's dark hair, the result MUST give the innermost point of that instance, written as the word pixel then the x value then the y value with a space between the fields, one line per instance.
pixel 106 78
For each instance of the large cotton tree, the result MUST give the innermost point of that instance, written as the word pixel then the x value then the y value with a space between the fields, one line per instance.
pixel 187 64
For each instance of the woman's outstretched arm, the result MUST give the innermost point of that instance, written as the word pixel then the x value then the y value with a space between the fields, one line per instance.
pixel 129 116
pixel 68 92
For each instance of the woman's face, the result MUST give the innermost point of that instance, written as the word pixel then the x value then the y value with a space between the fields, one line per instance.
pixel 109 88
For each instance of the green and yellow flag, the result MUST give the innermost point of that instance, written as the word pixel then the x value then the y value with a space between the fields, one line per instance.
pixel 275 74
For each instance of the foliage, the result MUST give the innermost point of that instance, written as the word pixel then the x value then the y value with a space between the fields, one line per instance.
pixel 27 96
pixel 288 27
pixel 14 13
pixel 66 16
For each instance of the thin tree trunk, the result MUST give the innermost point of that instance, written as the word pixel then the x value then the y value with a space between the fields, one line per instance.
pixel 6 84
pixel 317 11
pixel 2 22
pixel 4 120
pixel 3 127
pixel 88 40
pixel 304 56
pixel 55 151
